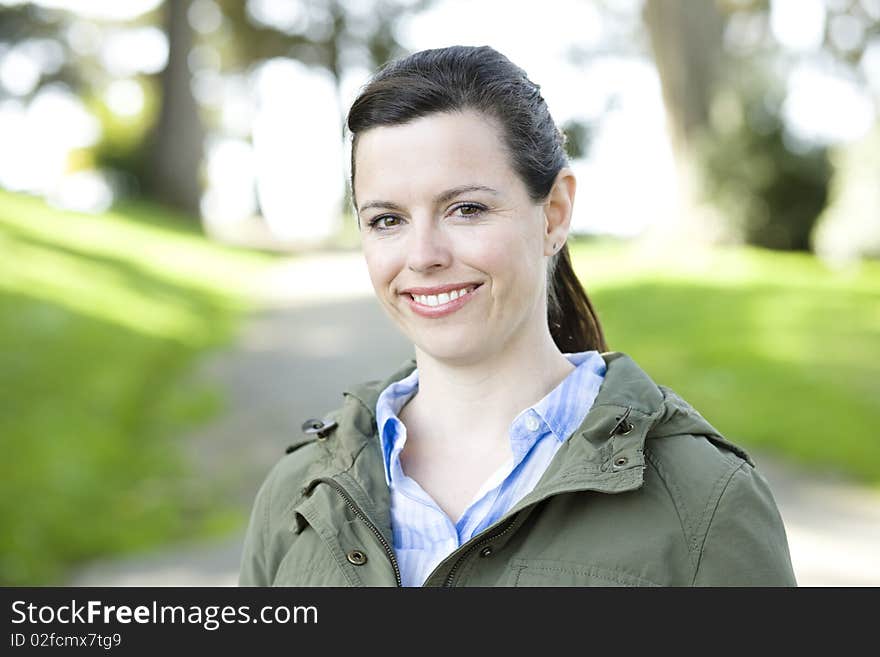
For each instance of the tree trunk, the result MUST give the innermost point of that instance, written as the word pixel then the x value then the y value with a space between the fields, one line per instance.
pixel 686 40
pixel 177 140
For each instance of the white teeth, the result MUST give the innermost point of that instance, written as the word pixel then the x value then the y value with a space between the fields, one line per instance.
pixel 442 298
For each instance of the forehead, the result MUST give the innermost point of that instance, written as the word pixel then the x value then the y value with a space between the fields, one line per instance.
pixel 439 150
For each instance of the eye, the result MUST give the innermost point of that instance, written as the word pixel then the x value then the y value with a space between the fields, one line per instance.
pixel 470 209
pixel 377 222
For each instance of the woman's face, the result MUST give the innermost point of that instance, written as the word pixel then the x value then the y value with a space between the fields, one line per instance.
pixel 455 248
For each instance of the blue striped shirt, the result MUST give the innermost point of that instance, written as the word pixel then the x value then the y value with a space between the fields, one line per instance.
pixel 422 532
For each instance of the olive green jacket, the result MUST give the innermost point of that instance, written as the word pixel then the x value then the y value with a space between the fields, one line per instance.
pixel 645 492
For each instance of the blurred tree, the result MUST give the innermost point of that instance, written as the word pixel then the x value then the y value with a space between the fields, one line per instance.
pixel 718 60
pixel 172 173
pixel 782 207
pixel 723 77
pixel 74 50
pixel 684 38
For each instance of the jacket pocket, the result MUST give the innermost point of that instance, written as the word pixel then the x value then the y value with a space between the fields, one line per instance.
pixel 549 572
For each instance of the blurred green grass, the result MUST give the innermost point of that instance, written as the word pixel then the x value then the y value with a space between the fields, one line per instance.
pixel 778 351
pixel 101 318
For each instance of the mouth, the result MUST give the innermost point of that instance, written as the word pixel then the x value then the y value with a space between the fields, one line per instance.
pixel 443 295
pixel 441 303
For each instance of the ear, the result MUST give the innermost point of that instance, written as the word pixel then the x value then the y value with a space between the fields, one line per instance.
pixel 557 211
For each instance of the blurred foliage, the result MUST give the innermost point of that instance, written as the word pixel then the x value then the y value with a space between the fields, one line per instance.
pixel 123 149
pixel 324 33
pixel 769 186
pixel 754 340
pixel 578 138
pixel 27 25
pixel 101 319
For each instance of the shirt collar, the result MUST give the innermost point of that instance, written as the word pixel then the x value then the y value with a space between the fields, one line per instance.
pixel 564 408
pixel 391 400
pixel 560 412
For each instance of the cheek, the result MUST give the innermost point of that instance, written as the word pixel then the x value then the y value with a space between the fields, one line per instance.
pixel 509 257
pixel 380 266
pixel 496 258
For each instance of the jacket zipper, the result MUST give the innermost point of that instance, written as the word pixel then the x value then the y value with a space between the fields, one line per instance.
pixel 360 514
pixel 488 539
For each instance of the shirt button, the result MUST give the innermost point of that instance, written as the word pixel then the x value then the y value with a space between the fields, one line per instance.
pixel 486 551
pixel 532 423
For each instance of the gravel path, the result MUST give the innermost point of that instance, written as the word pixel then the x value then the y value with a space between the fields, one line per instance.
pixel 321 327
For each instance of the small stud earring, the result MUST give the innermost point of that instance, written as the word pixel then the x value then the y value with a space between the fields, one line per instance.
pixel 554 246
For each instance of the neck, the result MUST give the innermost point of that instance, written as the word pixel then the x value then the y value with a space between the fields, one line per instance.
pixel 482 398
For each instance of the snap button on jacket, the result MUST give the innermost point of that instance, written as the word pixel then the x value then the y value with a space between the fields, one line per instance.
pixel 645 493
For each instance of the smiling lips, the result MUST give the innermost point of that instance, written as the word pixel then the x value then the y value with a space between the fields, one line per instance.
pixel 440 303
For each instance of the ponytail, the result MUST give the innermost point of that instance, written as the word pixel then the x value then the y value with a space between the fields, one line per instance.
pixel 574 324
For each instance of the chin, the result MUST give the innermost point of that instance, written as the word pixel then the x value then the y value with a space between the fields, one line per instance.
pixel 458 350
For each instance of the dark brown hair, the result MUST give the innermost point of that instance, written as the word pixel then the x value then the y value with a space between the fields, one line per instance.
pixel 482 79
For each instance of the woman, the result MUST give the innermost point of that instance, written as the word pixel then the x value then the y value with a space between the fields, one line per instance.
pixel 515 450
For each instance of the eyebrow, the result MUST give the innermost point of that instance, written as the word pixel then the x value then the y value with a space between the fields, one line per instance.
pixel 440 198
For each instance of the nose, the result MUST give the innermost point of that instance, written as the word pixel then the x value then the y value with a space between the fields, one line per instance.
pixel 428 248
